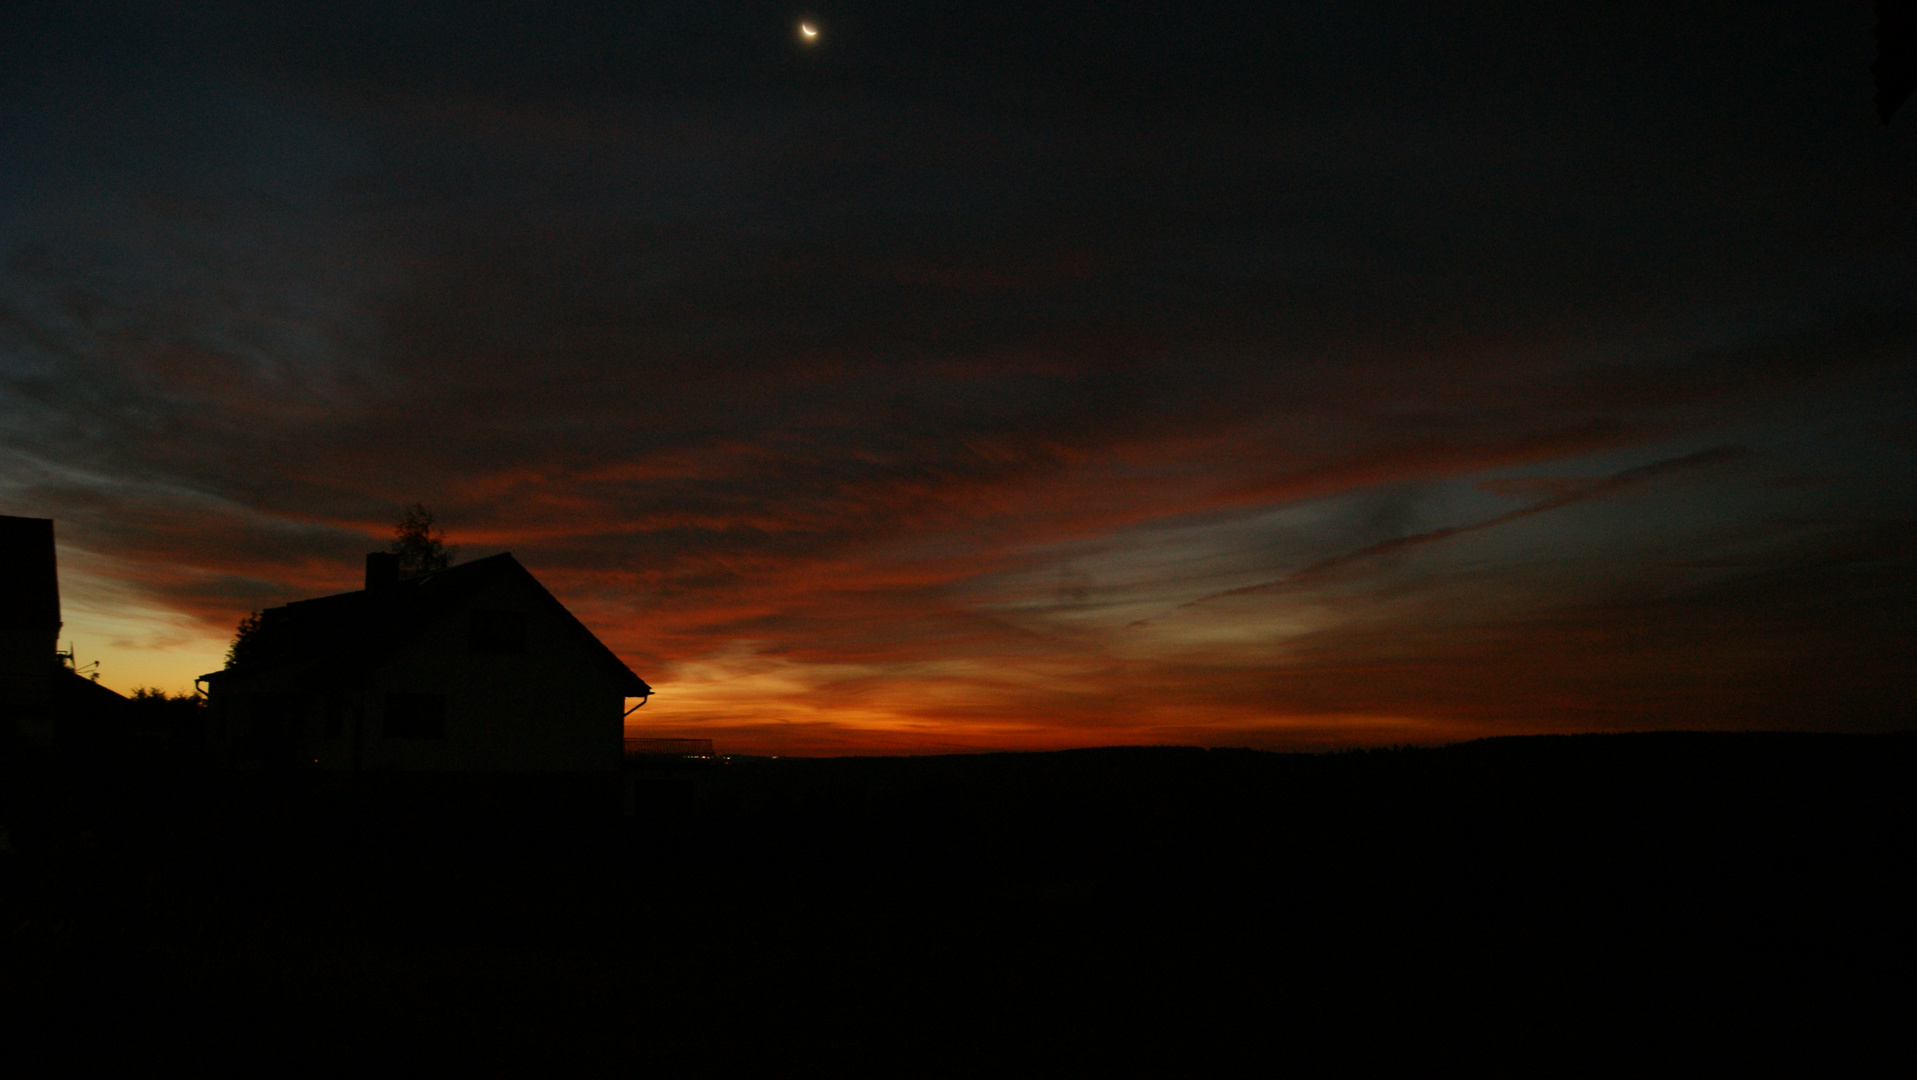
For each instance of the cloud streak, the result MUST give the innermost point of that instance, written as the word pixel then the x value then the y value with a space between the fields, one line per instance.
pixel 1568 494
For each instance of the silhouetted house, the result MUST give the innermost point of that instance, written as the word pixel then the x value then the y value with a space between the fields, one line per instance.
pixel 42 700
pixel 29 625
pixel 472 669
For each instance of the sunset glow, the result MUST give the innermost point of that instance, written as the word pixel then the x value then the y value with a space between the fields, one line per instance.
pixel 921 399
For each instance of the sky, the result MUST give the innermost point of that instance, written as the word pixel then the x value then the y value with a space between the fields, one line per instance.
pixel 995 376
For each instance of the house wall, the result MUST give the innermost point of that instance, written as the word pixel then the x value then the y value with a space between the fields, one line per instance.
pixel 552 708
pixel 269 719
pixel 29 625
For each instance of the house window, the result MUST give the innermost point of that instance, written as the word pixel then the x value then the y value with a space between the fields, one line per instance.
pixel 415 716
pixel 498 632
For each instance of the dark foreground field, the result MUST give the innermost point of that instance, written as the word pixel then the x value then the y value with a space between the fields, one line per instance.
pixel 1546 904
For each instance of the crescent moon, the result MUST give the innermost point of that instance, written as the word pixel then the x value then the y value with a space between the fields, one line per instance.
pixel 808 30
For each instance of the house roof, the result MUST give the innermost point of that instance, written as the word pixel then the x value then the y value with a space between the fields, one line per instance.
pixel 76 697
pixel 357 629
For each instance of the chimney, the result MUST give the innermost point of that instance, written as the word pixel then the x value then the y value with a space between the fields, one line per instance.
pixel 382 569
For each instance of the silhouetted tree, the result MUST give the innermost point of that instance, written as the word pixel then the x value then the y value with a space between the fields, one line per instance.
pixel 245 645
pixel 156 696
pixel 179 720
pixel 421 547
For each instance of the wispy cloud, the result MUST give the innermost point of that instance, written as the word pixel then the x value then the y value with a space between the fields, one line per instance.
pixel 1568 493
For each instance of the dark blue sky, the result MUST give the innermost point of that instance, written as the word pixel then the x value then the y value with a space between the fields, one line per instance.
pixel 1284 375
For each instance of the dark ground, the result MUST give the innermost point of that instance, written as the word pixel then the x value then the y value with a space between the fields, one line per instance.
pixel 1545 904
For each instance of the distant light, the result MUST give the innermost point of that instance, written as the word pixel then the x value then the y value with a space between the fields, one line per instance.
pixel 808 33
